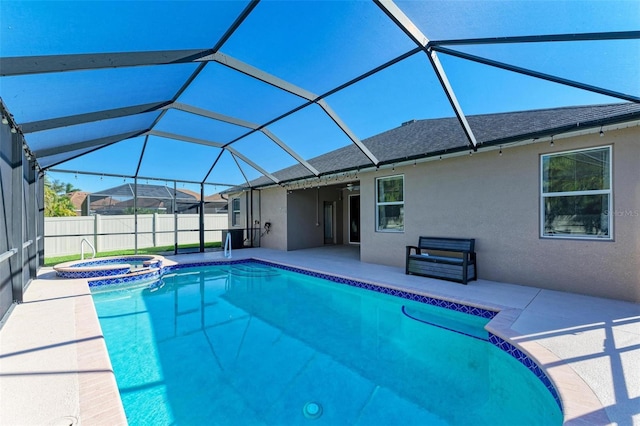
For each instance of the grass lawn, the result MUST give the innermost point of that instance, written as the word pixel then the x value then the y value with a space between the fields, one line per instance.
pixel 52 261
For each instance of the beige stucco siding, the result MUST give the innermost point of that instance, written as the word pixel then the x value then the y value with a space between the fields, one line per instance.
pixel 273 209
pixel 305 216
pixel 496 200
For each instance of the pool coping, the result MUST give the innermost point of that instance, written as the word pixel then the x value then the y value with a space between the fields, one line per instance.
pixel 98 397
pixel 55 366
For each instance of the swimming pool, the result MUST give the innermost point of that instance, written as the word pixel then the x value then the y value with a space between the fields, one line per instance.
pixel 251 343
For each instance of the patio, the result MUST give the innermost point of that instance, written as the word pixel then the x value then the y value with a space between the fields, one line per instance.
pixel 54 368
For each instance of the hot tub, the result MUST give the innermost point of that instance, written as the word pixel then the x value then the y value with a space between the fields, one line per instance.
pixel 107 266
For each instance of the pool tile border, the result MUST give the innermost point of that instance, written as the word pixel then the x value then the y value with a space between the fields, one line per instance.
pixel 93 274
pixel 479 312
pixel 82 269
pixel 525 360
pixel 152 274
pixel 502 344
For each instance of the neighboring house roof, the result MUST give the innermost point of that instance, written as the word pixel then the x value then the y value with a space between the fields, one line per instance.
pixel 77 198
pixel 161 192
pixel 215 198
pixel 149 196
pixel 141 203
pixel 208 199
pixel 108 201
pixel 422 138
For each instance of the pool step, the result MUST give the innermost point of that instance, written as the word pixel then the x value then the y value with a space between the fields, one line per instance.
pixel 253 271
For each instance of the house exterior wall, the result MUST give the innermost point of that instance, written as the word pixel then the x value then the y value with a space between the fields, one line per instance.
pixel 496 200
pixel 296 218
pixel 273 209
pixel 305 222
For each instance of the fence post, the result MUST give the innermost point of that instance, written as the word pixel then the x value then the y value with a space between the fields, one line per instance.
pixel 154 222
pixel 96 230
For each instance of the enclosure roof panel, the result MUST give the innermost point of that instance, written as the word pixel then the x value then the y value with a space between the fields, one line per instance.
pixel 268 84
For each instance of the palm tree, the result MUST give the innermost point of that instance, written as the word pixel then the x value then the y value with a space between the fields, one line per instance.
pixel 56 201
pixel 69 188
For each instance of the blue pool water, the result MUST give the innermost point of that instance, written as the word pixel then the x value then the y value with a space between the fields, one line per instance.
pixel 251 344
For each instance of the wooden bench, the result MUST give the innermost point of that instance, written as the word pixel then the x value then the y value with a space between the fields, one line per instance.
pixel 454 259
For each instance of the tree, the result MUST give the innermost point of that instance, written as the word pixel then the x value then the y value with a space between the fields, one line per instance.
pixel 141 210
pixel 69 188
pixel 56 199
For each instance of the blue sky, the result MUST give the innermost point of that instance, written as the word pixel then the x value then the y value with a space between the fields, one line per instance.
pixel 314 45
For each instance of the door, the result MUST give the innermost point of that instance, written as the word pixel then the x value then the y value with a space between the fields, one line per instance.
pixel 354 219
pixel 329 223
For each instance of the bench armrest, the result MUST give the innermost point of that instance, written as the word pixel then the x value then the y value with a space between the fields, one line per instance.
pixel 417 249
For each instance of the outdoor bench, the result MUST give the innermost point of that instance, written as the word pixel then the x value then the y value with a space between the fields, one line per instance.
pixel 452 259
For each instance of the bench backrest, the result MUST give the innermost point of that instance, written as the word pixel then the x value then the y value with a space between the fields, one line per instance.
pixel 447 244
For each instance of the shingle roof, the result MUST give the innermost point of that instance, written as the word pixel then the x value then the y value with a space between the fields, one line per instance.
pixel 422 138
pixel 144 191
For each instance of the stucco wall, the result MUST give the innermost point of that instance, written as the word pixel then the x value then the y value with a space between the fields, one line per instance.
pixel 495 199
pixel 273 209
pixel 305 220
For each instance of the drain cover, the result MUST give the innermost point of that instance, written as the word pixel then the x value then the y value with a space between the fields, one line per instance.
pixel 312 410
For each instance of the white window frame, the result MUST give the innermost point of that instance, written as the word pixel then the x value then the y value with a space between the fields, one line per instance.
pixel 234 222
pixel 608 192
pixel 388 203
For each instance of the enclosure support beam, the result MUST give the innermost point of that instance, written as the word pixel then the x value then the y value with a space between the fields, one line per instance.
pixel 16 216
pixel 258 74
pixel 293 89
pixel 409 28
pixel 175 136
pixel 210 114
pixel 85 144
pixel 536 74
pixel 32 217
pixel 175 217
pixel 72 120
pixel 356 141
pixel 290 151
pixel 40 226
pixel 242 123
pixel 135 215
pixel 201 219
pixel 545 38
pixel 24 65
pixel 252 164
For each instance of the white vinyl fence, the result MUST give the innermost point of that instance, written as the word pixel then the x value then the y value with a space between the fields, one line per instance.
pixel 63 235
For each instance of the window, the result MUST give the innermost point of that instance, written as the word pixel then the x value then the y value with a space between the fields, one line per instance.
pixel 576 194
pixel 390 204
pixel 235 211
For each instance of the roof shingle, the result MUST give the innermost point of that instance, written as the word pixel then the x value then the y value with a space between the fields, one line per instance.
pixel 421 138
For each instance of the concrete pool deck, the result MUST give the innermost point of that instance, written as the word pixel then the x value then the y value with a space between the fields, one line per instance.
pixel 54 368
